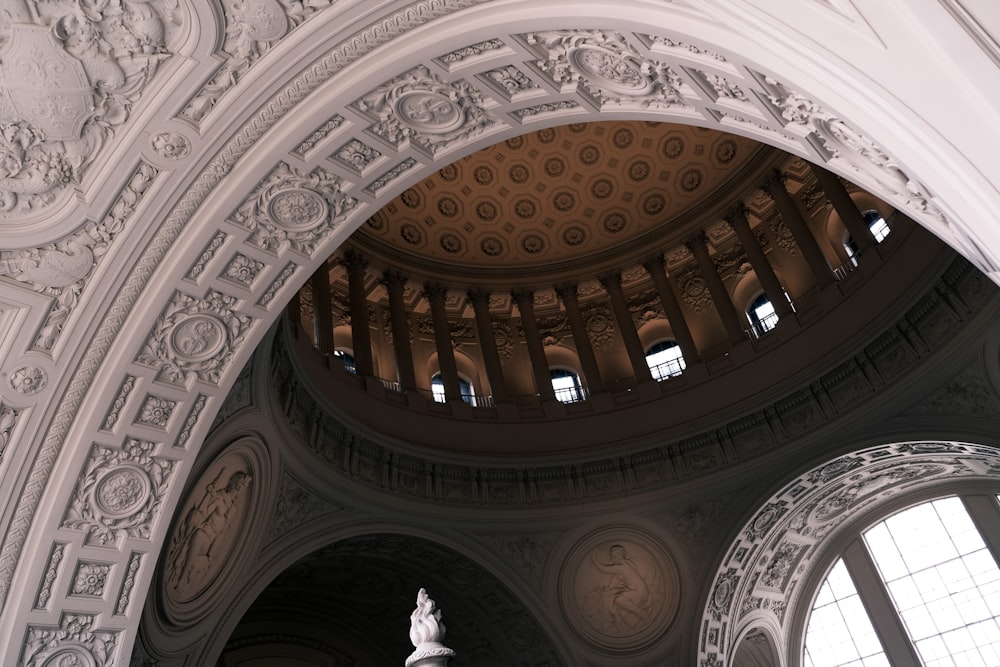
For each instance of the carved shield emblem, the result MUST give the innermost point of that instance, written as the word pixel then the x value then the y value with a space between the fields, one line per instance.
pixel 43 84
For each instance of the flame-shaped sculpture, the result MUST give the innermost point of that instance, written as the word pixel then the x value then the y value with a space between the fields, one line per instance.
pixel 426 632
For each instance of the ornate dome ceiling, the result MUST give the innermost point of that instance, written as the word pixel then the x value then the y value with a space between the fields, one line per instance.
pixel 558 198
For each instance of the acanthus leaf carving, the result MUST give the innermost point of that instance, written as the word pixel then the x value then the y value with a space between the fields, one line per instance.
pixel 417 107
pixel 119 493
pixel 68 81
pixel 195 339
pixel 294 210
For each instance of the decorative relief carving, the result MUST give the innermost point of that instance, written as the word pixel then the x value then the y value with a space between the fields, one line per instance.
pixel 472 51
pixel 288 209
pixel 119 492
pixel 90 579
pixel 503 335
pixel 854 149
pixel 8 420
pixel 665 44
pixel 28 380
pixel 126 591
pixel 45 590
pixel 390 175
pixel 512 81
pixel 609 69
pixel 530 553
pixel 75 643
pixel 114 412
pixel 252 28
pixel 969 394
pixel 60 270
pixel 600 327
pixel 357 155
pixel 243 270
pixel 195 339
pixel 207 255
pixel 418 107
pixel 319 135
pixel 547 108
pixel 694 292
pixel 69 82
pixel 171 145
pixel 191 421
pixel 277 284
pixel 620 590
pixel 155 412
pixel 295 506
pixel 214 515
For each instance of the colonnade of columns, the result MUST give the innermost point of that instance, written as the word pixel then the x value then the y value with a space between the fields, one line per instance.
pixel 731 315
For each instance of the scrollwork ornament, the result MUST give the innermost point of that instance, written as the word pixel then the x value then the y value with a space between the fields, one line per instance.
pixel 195 339
pixel 608 69
pixel 289 209
pixel 28 380
pixel 119 493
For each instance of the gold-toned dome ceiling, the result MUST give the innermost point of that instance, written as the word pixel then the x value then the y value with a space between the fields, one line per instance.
pixel 558 197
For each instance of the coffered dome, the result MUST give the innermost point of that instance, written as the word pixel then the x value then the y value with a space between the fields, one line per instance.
pixel 560 198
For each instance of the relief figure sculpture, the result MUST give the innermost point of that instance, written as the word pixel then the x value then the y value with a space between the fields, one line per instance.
pixel 620 604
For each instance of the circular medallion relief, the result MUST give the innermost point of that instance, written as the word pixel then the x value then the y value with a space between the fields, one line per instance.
pixel 122 491
pixel 198 338
pixel 609 70
pixel 428 112
pixel 297 209
pixel 620 589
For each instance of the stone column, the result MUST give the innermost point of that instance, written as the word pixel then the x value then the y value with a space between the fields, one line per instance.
pixel 845 206
pixel 480 301
pixel 656 267
pixel 792 215
pixel 536 351
pixel 442 341
pixel 612 283
pixel 584 348
pixel 720 296
pixel 737 219
pixel 395 285
pixel 361 337
pixel 322 315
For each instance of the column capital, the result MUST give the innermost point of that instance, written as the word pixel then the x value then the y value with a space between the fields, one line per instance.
pixel 478 297
pixel 736 213
pixel 610 278
pixel 776 178
pixel 435 291
pixel 566 290
pixel 698 239
pixel 354 260
pixel 392 278
pixel 654 262
pixel 523 294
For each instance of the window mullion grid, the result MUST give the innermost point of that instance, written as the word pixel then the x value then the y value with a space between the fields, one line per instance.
pixel 875 598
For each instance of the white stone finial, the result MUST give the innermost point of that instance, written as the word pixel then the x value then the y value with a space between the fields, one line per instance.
pixel 426 633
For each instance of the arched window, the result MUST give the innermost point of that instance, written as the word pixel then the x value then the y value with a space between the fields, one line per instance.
pixel 876 224
pixel 347 359
pixel 566 385
pixel 761 314
pixel 464 386
pixel 938 580
pixel 665 359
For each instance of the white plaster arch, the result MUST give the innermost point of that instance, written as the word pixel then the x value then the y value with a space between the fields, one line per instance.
pixel 931 134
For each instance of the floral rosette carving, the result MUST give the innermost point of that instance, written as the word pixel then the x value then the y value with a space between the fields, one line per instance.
pixel 119 493
pixel 607 68
pixel 75 643
pixel 195 339
pixel 289 209
pixel 418 107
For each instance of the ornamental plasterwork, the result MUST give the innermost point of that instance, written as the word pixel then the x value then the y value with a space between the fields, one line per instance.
pixel 70 74
pixel 775 547
pixel 419 108
pixel 75 643
pixel 252 28
pixel 119 493
pixel 292 210
pixel 195 339
pixel 843 143
pixel 60 270
pixel 8 420
pixel 608 69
